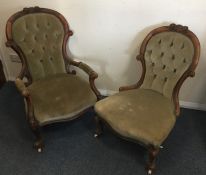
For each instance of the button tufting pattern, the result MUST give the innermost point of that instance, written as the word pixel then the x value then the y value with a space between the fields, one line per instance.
pixel 167 56
pixel 36 34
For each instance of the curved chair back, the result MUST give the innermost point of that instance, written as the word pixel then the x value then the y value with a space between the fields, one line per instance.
pixel 169 55
pixel 39 37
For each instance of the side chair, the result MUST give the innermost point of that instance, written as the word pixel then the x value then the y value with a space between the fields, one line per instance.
pixel 146 112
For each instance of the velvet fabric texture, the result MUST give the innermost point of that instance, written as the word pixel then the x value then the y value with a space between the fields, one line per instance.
pixel 40 37
pixel 60 97
pixel 147 114
pixel 141 114
pixel 168 55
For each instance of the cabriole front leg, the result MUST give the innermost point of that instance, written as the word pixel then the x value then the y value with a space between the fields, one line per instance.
pixel 153 152
pixel 34 125
pixel 38 144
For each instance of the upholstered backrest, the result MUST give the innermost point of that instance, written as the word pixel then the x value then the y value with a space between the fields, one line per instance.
pixel 40 38
pixel 167 56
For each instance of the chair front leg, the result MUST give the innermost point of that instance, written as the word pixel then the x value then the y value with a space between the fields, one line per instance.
pixel 99 127
pixel 153 152
pixel 34 125
pixel 38 144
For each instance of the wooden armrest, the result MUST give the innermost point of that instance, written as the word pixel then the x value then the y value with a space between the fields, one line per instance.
pixel 139 83
pixel 87 69
pixel 92 75
pixel 125 88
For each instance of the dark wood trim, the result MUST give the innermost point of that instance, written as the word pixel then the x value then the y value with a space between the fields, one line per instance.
pixel 99 121
pixel 140 58
pixel 153 152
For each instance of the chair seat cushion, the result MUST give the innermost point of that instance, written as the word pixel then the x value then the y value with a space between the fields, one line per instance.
pixel 60 97
pixel 143 115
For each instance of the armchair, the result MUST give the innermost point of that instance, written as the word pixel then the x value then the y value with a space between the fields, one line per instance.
pixel 53 92
pixel 146 111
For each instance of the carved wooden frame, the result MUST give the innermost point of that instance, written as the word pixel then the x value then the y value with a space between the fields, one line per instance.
pixel 152 150
pixel 35 126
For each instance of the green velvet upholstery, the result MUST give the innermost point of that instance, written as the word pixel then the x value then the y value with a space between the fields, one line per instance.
pixel 148 114
pixel 40 37
pixel 139 114
pixel 168 55
pixel 60 97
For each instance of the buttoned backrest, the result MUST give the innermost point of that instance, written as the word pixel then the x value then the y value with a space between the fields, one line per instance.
pixel 167 56
pixel 40 38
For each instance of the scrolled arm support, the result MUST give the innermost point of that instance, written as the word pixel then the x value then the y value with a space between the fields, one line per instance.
pixel 138 84
pixel 92 76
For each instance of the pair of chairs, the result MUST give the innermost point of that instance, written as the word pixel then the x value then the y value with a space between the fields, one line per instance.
pixel 144 112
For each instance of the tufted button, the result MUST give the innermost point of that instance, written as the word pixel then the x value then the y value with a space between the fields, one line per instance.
pixel 160 41
pixel 184 61
pixel 48 24
pixel 165 79
pixel 155 76
pixel 163 67
pixel 149 52
pixel 37 25
pixel 35 38
pixel 32 50
pixel 171 44
pixel 26 26
pixel 46 36
pixel 173 57
pixel 175 70
pixel 51 58
pixel 41 60
pixel 162 54
pixel 183 45
pixel 153 64
pixel 43 48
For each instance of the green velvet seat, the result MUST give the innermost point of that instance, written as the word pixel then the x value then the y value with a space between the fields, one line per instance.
pixel 146 111
pixel 53 92
pixel 139 114
pixel 69 96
